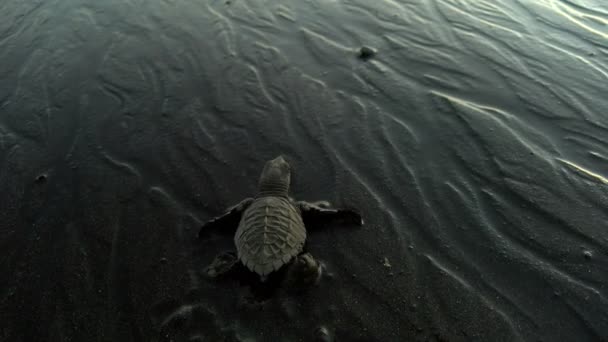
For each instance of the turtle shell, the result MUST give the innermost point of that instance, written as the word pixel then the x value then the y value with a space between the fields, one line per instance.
pixel 270 234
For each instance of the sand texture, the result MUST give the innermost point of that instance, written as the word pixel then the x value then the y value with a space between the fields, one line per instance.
pixel 471 134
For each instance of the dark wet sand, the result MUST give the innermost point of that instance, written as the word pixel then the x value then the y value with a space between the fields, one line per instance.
pixel 475 142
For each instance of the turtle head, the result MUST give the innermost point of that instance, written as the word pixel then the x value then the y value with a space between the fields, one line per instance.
pixel 275 178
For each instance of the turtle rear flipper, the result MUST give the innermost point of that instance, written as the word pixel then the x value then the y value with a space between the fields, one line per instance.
pixel 223 264
pixel 314 214
pixel 228 222
pixel 303 273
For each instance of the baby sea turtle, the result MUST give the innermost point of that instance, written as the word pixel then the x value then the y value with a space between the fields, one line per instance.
pixel 271 228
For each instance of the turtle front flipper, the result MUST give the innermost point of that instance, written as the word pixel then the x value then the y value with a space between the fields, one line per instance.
pixel 319 213
pixel 228 222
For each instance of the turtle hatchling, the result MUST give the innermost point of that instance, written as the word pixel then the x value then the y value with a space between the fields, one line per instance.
pixel 271 228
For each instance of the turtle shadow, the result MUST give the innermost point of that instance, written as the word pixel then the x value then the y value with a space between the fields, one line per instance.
pixel 227 270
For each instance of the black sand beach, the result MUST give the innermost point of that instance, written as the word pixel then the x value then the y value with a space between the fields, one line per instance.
pixel 473 136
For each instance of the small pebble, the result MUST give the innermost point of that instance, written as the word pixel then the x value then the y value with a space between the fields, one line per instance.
pixel 322 334
pixel 587 254
pixel 386 263
pixel 42 178
pixel 163 260
pixel 366 53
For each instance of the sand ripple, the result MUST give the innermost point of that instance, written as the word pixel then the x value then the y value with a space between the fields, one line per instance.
pixel 474 142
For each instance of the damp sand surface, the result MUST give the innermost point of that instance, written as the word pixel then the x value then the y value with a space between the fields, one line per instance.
pixel 472 135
